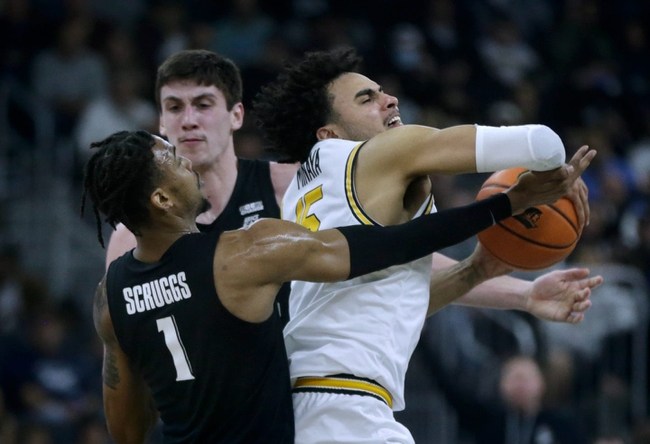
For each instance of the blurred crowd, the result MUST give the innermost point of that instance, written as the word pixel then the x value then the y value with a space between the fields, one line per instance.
pixel 581 67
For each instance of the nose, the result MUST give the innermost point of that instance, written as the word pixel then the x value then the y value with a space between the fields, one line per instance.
pixel 188 118
pixel 390 101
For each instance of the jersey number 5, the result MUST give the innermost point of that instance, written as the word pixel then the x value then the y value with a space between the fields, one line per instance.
pixel 175 345
pixel 309 221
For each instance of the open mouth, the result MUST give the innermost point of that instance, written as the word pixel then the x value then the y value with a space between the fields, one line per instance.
pixel 394 121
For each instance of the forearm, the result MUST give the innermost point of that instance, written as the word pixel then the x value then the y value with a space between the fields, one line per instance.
pixel 475 282
pixel 452 282
pixel 503 292
pixel 129 424
pixel 373 248
pixel 535 147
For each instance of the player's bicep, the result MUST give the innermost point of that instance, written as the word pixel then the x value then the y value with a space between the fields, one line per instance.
pixel 277 251
pixel 322 256
pixel 414 150
pixel 114 361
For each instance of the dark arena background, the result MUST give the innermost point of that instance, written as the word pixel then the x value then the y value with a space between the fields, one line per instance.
pixel 74 71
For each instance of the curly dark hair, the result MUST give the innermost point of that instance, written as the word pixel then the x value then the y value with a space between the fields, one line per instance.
pixel 290 109
pixel 203 67
pixel 119 178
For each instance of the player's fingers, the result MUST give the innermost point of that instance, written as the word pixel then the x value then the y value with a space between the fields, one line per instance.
pixel 575 274
pixel 581 306
pixel 575 318
pixel 582 159
pixel 592 282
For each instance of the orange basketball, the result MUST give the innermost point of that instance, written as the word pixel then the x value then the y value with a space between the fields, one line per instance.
pixel 537 238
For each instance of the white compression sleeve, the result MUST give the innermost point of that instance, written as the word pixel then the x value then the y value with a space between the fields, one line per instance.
pixel 536 147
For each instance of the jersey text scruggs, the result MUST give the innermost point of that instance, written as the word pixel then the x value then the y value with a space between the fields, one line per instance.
pixel 157 293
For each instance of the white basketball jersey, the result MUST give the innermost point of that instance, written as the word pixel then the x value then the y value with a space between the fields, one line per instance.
pixel 367 326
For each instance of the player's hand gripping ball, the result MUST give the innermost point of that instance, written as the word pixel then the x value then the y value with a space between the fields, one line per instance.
pixel 537 238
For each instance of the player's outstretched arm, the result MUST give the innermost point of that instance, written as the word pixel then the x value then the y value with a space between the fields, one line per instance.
pixel 560 295
pixel 251 264
pixel 460 149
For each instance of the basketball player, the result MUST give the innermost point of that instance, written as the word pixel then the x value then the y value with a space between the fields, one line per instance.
pixel 199 95
pixel 187 318
pixel 358 336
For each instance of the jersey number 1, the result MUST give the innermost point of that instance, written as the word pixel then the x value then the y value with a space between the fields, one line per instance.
pixel 175 345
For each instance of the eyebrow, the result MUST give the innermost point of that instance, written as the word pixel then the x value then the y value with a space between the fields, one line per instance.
pixel 192 99
pixel 367 92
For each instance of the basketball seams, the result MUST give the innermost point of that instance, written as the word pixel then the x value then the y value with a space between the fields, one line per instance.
pixel 565 217
pixel 533 241
pixel 534 252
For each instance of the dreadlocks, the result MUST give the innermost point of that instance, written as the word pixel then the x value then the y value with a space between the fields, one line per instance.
pixel 119 177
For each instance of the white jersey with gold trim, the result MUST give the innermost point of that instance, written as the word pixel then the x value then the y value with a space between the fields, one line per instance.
pixel 367 326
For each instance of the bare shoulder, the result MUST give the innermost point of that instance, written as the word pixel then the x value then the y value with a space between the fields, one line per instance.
pixel 121 241
pixel 267 241
pixel 266 231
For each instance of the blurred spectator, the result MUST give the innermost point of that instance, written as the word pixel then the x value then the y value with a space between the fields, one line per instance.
pixel 21 34
pixel 638 253
pixel 521 417
pixel 638 157
pixel 507 57
pixel 120 49
pixel 124 13
pixel 641 432
pixel 412 62
pixel 611 186
pixel 20 293
pixel 70 74
pixel 579 36
pixel 446 31
pixel 242 34
pixel 8 429
pixel 51 381
pixel 121 109
pixel 633 63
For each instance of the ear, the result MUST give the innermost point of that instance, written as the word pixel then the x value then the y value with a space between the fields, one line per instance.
pixel 237 116
pixel 161 200
pixel 326 132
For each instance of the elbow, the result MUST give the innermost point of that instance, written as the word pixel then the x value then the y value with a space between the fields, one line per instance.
pixel 546 148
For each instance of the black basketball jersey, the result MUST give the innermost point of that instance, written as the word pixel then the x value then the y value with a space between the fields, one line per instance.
pixel 214 378
pixel 252 198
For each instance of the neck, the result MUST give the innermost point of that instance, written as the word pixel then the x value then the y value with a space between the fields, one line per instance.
pixel 218 185
pixel 153 244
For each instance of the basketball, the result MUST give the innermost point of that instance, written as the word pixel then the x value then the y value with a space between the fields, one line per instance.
pixel 537 238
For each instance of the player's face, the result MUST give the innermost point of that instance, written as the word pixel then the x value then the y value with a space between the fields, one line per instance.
pixel 361 108
pixel 196 120
pixel 179 177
